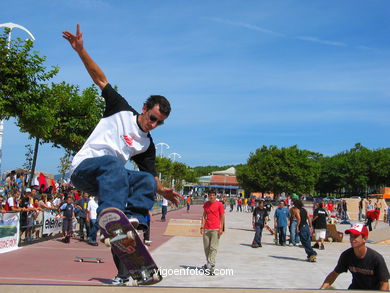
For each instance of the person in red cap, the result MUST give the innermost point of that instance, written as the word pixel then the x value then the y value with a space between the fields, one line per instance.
pixel 368 267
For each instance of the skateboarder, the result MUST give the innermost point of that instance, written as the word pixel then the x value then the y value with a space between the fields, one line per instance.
pixel 368 267
pixel 122 134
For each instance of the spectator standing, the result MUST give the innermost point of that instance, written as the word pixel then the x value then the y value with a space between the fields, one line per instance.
pixel 38 218
pixel 369 207
pixel 67 218
pixel 305 229
pixel 259 218
pixel 294 235
pixel 281 219
pixel 232 202
pixel 92 219
pixel 212 227
pixel 189 200
pixel 12 204
pixel 239 204
pixel 164 210
pixel 319 223
pixel 377 207
pixel 82 206
pixel 368 267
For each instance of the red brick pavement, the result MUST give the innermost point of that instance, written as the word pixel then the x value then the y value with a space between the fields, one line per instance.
pixel 52 261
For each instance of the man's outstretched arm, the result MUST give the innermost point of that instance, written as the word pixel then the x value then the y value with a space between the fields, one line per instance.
pixel 77 43
pixel 329 280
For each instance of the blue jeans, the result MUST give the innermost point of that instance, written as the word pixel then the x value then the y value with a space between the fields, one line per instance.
pixel 258 234
pixel 133 192
pixel 94 229
pixel 305 236
pixel 282 235
pixel 294 234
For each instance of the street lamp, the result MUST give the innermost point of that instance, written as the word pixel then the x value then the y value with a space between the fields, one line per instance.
pixel 162 144
pixel 174 155
pixel 10 26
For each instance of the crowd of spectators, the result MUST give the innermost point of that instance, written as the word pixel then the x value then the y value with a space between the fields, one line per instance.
pixel 32 201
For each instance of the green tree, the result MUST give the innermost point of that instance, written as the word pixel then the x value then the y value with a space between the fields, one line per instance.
pixel 50 113
pixel 280 170
pixel 29 157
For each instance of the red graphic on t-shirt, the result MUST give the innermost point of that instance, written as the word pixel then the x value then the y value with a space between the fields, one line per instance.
pixel 128 140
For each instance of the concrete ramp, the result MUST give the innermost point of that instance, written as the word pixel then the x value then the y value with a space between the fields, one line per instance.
pixel 183 227
pixel 379 236
pixel 353 208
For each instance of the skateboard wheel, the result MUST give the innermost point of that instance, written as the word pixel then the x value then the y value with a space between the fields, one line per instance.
pixel 107 242
pixel 80 260
pixel 135 283
pixel 130 235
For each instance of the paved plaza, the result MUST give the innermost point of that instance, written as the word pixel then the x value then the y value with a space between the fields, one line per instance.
pixel 243 266
pixel 49 266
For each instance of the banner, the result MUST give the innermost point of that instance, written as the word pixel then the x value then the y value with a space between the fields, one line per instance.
pixel 52 222
pixel 9 231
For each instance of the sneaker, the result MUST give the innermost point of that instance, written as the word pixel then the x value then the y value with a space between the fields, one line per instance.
pixel 117 281
pixel 316 246
pixel 312 258
pixel 147 242
pixel 255 245
pixel 322 247
pixel 260 245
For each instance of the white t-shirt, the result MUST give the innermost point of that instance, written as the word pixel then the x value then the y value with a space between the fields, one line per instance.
pixel 92 207
pixel 11 202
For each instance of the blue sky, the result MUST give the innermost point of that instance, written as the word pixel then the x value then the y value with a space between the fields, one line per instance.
pixel 239 74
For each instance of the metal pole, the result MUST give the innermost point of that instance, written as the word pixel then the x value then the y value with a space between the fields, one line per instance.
pixel 162 144
pixel 10 26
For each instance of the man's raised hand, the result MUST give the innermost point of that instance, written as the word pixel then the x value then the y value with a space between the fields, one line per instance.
pixel 76 41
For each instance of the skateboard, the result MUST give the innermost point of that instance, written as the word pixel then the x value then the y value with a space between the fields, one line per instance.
pixel 89 259
pixel 125 242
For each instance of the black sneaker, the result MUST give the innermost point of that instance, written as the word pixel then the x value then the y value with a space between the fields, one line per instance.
pixel 316 246
pixel 255 245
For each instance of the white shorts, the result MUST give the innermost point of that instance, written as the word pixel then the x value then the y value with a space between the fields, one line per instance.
pixel 320 234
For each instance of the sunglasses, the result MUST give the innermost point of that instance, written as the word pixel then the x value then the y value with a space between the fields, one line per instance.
pixel 154 119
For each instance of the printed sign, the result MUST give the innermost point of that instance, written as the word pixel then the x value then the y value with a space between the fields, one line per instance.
pixel 52 222
pixel 9 231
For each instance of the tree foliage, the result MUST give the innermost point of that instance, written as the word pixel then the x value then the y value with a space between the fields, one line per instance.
pixel 174 173
pixel 358 171
pixel 53 112
pixel 280 170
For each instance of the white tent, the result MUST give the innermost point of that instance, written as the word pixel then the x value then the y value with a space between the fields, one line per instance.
pixel 229 172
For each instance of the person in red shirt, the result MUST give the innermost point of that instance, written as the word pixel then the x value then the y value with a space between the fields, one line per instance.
pixel 213 223
pixel 330 207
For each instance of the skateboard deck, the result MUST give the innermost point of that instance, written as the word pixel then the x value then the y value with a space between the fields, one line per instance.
pixel 88 259
pixel 128 246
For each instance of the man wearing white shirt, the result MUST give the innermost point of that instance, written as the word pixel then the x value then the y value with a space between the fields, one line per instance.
pixel 92 218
